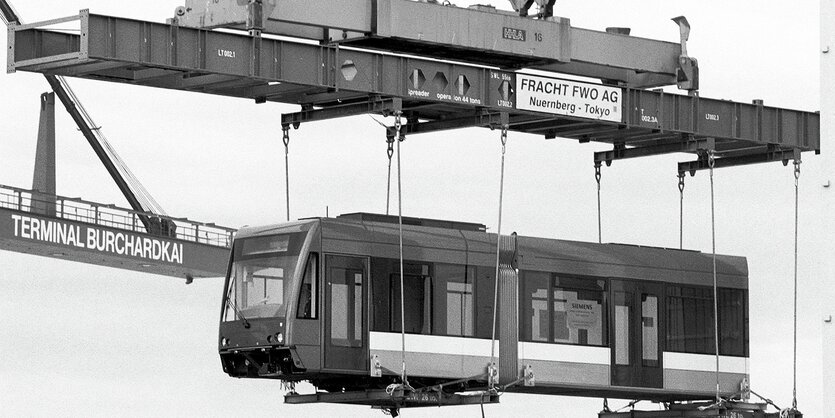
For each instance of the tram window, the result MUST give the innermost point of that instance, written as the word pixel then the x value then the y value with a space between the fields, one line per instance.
pixel 381 269
pixel 733 322
pixel 308 294
pixel 535 314
pixel 484 284
pixel 649 329
pixel 417 307
pixel 623 318
pixel 453 302
pixel 579 311
pixel 346 306
pixel 261 276
pixel 690 321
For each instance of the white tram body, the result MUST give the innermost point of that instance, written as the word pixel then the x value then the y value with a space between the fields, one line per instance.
pixel 319 300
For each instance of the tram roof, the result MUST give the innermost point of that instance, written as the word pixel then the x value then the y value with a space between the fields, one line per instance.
pixel 447 244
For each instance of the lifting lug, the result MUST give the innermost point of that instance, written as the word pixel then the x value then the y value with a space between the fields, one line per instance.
pixel 492 375
pixel 255 18
pixel 376 368
pixel 530 379
pixel 687 73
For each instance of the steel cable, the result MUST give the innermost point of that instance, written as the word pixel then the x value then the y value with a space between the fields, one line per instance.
pixel 389 153
pixel 711 159
pixel 681 211
pixel 597 176
pixel 286 140
pixel 796 209
pixel 142 194
pixel 398 139
pixel 498 250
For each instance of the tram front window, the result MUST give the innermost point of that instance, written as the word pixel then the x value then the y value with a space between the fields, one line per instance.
pixel 261 278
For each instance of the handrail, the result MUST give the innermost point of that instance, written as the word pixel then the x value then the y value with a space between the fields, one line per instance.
pixel 108 215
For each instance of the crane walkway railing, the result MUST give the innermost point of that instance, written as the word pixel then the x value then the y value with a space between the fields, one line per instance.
pixel 79 210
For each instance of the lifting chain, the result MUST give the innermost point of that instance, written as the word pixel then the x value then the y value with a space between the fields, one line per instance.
pixel 286 140
pixel 681 211
pixel 796 207
pixel 597 176
pixel 492 377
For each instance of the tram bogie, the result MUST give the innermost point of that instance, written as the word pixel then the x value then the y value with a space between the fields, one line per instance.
pixel 319 300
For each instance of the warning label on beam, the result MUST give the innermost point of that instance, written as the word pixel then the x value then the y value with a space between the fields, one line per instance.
pixel 569 98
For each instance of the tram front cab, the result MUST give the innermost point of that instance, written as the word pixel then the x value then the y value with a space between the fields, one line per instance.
pixel 268 325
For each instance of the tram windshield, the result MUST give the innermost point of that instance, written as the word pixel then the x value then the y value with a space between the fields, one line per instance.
pixel 262 275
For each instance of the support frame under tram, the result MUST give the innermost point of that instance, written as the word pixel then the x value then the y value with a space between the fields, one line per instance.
pixel 727 409
pixel 395 399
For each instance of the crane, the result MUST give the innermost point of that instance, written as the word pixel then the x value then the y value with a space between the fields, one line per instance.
pixel 341 77
pixel 141 238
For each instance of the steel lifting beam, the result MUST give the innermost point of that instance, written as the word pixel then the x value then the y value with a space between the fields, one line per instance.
pixel 705 410
pixel 686 144
pixel 399 398
pixel 479 118
pixel 329 81
pixel 375 105
pixel 732 159
pixel 478 34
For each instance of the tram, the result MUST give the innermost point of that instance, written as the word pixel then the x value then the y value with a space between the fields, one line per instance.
pixel 318 300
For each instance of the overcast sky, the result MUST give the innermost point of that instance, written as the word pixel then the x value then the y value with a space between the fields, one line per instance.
pixel 81 340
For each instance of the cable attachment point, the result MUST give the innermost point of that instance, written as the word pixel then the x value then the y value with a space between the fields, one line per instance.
pixel 286 136
pixel 681 182
pixel 504 135
pixel 492 375
pixel 797 170
pixel 398 126
pixel 390 150
pixel 597 173
pixel 711 159
pixel 530 378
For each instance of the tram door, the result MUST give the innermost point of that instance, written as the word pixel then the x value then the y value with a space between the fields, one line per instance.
pixel 345 326
pixel 636 334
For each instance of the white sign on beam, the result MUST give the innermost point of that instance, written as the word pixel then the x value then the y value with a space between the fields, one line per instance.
pixel 568 98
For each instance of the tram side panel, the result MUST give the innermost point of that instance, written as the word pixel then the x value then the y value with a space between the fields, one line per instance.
pixel 434 260
pixel 568 312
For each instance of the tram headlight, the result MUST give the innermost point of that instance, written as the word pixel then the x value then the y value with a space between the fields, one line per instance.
pixel 224 341
pixel 279 337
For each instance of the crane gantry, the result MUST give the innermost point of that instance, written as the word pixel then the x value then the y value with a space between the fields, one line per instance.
pixel 439 66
